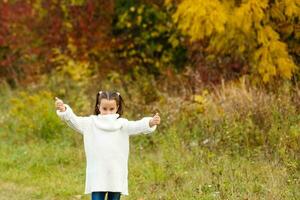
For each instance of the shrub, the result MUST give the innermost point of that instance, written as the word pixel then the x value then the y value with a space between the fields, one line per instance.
pixel 33 117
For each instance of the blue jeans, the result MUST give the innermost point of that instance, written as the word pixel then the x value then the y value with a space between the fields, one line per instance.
pixel 110 195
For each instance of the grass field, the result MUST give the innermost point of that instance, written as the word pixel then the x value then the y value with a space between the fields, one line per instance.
pixel 189 158
pixel 57 171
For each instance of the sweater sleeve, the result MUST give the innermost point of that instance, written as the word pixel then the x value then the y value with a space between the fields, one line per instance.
pixel 77 123
pixel 139 126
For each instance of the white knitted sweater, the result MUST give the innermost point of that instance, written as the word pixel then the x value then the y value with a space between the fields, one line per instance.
pixel 106 145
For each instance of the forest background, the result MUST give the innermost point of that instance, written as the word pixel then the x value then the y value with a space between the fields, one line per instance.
pixel 223 74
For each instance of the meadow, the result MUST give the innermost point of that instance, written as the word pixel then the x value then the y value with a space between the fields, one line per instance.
pixel 231 142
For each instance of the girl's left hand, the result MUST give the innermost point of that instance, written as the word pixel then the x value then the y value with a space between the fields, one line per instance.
pixel 155 120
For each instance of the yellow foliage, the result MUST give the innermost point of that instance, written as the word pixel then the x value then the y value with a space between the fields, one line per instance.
pixel 167 2
pixel 76 70
pixel 34 116
pixel 292 8
pixel 272 57
pixel 200 18
pixel 277 13
pixel 285 67
pixel 248 14
pixel 201 101
pixel 244 30
pixel 266 34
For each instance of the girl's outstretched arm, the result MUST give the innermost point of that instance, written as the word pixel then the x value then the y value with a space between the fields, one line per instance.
pixel 145 125
pixel 66 114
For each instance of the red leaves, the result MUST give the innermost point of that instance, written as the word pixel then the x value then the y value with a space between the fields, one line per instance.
pixel 91 24
pixel 29 30
pixel 14 36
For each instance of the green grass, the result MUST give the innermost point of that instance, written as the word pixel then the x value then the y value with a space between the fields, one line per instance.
pixel 244 152
pixel 47 169
pixel 57 171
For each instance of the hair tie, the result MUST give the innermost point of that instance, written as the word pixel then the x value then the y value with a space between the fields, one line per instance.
pixel 100 92
pixel 118 93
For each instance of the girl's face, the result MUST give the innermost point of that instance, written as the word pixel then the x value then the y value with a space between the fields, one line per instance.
pixel 108 107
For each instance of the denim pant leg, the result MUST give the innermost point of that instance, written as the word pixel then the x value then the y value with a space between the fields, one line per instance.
pixel 114 196
pixel 98 195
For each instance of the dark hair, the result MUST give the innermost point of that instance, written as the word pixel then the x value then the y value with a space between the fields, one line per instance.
pixel 109 96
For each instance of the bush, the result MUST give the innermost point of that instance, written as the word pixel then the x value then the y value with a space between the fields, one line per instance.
pixel 33 117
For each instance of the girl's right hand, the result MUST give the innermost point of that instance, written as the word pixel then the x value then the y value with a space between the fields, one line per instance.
pixel 59 104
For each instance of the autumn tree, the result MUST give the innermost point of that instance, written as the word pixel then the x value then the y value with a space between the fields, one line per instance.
pixel 262 33
pixel 34 32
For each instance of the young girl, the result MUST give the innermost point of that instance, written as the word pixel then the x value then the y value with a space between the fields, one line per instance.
pixel 106 143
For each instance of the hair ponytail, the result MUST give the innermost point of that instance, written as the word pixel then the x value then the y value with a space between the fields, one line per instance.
pixel 97 111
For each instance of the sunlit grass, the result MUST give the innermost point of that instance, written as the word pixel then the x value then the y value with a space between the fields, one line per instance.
pixel 192 155
pixel 57 171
